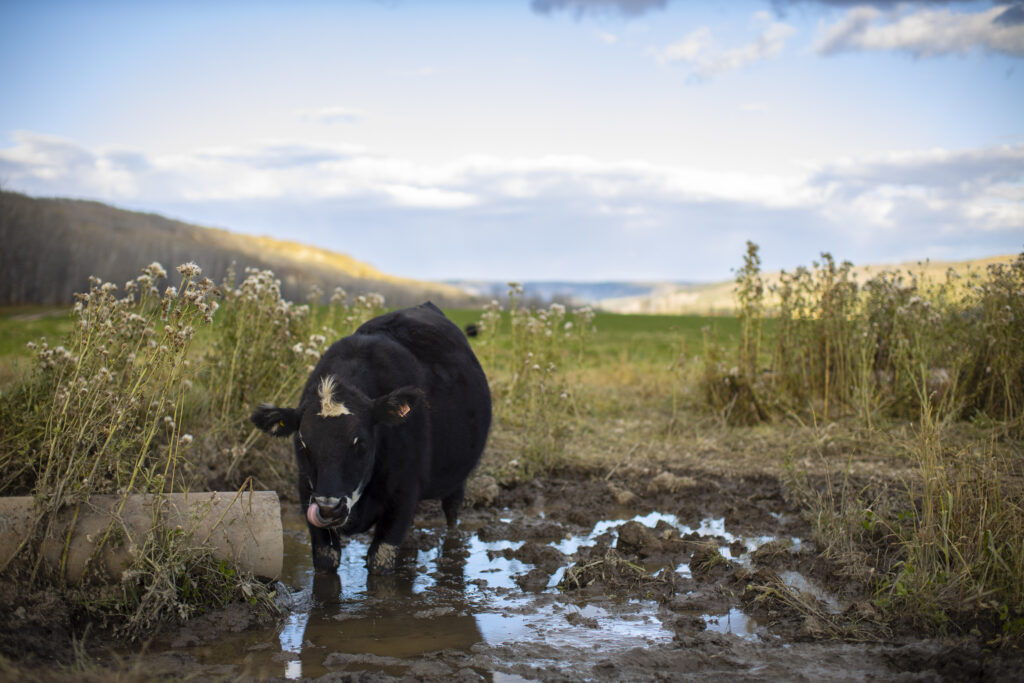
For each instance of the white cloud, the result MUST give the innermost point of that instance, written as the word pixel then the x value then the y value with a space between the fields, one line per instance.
pixel 687 50
pixel 332 114
pixel 975 196
pixel 967 190
pixel 429 197
pixel 922 32
pixel 697 49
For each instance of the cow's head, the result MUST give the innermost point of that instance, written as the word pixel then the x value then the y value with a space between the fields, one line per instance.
pixel 334 433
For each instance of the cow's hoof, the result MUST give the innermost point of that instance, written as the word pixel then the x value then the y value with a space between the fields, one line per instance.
pixel 326 559
pixel 383 560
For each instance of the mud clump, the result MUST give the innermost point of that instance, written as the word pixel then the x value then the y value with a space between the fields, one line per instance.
pixel 667 482
pixel 707 563
pixel 233 618
pixel 577 619
pixel 542 556
pixel 533 581
pixel 36 625
pixel 774 554
pixel 801 615
pixel 661 545
pixel 637 539
pixel 543 530
pixel 621 496
pixel 614 576
pixel 688 625
pixel 482 490
pixel 546 561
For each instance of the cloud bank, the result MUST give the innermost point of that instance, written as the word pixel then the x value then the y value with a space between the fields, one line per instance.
pixel 926 32
pixel 622 218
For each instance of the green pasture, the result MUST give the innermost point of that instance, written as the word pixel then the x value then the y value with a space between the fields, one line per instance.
pixel 635 338
pixel 21 324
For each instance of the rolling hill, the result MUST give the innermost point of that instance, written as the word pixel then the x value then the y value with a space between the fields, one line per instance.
pixel 52 246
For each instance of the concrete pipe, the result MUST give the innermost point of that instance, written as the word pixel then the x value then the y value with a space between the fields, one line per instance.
pixel 242 527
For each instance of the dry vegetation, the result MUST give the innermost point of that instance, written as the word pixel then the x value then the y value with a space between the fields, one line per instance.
pixel 893 410
pixel 719 298
pixel 147 394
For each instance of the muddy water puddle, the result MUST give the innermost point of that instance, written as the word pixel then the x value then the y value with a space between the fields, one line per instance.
pixel 472 592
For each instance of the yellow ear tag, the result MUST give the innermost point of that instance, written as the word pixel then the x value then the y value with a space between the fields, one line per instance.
pixel 281 423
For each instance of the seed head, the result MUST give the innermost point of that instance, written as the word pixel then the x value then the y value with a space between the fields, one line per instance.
pixel 189 269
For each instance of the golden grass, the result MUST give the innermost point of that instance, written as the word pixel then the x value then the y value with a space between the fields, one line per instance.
pixel 719 298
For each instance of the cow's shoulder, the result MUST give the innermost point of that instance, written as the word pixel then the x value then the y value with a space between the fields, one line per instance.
pixel 424 330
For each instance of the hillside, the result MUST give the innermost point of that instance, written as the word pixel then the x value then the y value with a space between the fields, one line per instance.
pixel 717 298
pixel 52 246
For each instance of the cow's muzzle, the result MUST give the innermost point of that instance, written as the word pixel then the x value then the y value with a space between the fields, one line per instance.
pixel 326 511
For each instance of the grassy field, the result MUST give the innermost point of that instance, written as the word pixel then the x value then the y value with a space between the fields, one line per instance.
pixel 890 411
pixel 644 339
pixel 22 324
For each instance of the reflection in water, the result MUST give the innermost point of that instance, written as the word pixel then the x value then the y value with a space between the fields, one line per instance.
pixel 420 608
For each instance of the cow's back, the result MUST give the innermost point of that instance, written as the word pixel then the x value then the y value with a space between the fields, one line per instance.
pixel 457 391
pixel 425 331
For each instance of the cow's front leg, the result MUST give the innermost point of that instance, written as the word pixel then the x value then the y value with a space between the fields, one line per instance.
pixel 387 537
pixel 326 545
pixel 326 549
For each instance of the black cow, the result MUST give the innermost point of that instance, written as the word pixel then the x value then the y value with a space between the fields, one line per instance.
pixel 396 413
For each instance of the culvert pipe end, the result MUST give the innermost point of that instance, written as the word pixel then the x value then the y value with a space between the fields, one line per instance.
pixel 241 527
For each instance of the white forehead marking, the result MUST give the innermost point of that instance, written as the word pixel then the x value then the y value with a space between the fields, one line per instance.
pixel 328 406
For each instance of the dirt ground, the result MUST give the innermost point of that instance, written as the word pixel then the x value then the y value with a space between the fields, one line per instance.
pixel 641 573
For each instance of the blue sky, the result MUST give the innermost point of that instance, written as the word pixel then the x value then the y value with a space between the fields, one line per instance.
pixel 552 139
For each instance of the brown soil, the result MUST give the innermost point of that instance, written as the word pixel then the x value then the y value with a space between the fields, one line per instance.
pixel 803 632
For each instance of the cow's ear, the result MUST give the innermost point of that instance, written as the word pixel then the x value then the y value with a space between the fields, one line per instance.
pixel 396 407
pixel 275 421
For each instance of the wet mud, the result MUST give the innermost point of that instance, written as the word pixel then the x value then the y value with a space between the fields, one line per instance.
pixel 656 576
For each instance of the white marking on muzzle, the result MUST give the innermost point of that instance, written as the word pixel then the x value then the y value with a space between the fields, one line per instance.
pixel 353 499
pixel 328 406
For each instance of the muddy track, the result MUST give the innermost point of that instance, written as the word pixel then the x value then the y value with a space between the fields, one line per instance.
pixel 657 574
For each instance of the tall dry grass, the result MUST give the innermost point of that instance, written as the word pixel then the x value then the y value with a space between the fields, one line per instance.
pixel 528 355
pixel 901 346
pixel 149 394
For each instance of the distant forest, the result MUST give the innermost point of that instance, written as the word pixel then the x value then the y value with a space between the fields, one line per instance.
pixel 50 247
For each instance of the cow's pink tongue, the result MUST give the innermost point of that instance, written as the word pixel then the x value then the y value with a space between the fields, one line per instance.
pixel 313 515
